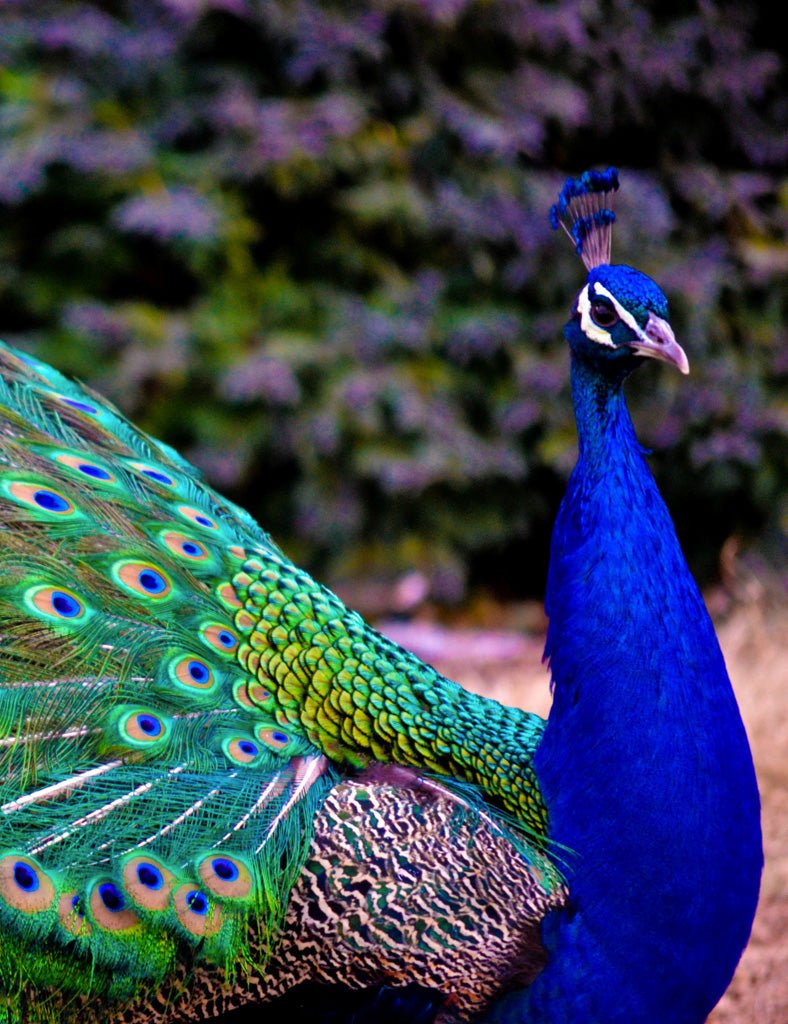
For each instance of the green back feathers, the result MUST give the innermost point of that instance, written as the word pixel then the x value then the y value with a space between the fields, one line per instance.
pixel 172 691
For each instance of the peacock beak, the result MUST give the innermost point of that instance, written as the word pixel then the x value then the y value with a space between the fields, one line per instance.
pixel 657 341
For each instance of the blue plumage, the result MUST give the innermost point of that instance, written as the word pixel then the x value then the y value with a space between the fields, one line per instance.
pixel 644 766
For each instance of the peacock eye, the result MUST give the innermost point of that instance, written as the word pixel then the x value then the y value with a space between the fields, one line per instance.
pixel 603 314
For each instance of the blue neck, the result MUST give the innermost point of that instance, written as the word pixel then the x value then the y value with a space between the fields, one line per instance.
pixel 644 766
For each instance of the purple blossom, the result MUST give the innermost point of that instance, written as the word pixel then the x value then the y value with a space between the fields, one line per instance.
pixel 328 43
pixel 325 434
pixel 223 466
pixel 97 320
pixel 107 152
pixel 725 446
pixel 482 337
pixel 280 130
pixel 518 416
pixel 86 31
pixel 22 169
pixel 262 377
pixel 190 10
pixel 541 378
pixel 178 213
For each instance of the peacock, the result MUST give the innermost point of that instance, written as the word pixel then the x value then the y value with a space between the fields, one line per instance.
pixel 220 787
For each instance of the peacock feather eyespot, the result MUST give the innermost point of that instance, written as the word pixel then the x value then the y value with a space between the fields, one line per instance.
pixel 192 673
pixel 41 497
pixel 242 750
pixel 220 638
pixel 90 469
pixel 25 877
pixel 224 869
pixel 197 516
pixel 184 546
pixel 71 912
pixel 137 728
pixel 225 876
pixel 111 897
pixel 150 876
pixel 58 604
pixel 153 473
pixel 197 902
pixel 109 908
pixel 24 884
pixel 148 726
pixel 195 911
pixel 86 467
pixel 142 579
pixel 273 738
pixel 148 882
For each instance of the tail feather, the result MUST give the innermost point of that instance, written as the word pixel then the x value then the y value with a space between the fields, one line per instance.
pixel 171 687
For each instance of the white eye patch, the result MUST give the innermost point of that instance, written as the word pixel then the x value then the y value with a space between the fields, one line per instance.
pixel 590 329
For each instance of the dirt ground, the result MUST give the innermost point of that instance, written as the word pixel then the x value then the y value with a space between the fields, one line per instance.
pixel 506 664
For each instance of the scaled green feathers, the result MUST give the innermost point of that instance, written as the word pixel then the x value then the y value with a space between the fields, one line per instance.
pixel 176 702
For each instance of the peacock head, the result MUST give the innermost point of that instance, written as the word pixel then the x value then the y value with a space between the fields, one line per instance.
pixel 621 315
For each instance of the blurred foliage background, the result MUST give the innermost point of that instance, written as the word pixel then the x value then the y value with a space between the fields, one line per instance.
pixel 307 244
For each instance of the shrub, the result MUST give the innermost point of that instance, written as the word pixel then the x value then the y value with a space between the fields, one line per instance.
pixel 307 244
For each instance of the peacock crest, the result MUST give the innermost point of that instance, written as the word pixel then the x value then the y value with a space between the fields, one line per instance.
pixel 585 212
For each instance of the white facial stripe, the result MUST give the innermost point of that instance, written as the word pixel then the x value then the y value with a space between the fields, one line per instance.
pixel 587 325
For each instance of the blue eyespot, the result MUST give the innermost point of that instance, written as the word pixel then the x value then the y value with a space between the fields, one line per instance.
pixel 78 905
pixel 159 477
pixel 64 604
pixel 51 502
pixel 225 869
pixel 190 548
pixel 150 876
pixel 197 902
pixel 142 728
pixel 241 750
pixel 226 639
pixel 274 738
pixel 152 581
pixel 82 406
pixel 192 673
pixel 95 471
pixel 150 725
pixel 111 897
pixel 196 515
pixel 199 672
pixel 56 603
pixel 144 579
pixel 25 877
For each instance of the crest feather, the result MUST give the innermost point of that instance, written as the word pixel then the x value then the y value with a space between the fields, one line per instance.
pixel 584 211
